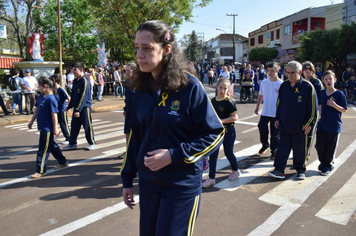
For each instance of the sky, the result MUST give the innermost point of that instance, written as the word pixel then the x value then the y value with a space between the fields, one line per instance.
pixel 252 14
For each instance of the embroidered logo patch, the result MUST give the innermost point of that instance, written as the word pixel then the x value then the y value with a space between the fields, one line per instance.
pixel 299 98
pixel 221 109
pixel 175 105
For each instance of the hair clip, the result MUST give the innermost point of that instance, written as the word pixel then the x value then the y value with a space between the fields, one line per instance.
pixel 168 37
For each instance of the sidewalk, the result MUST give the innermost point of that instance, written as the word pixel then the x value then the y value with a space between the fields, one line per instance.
pixel 109 103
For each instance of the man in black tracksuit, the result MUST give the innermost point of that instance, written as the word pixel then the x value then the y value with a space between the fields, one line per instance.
pixel 297 112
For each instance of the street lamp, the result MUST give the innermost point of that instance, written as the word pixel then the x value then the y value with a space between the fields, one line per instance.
pixel 233 45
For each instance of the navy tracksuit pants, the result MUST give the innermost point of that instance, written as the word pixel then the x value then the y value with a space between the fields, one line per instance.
pixel 46 146
pixel 326 144
pixel 228 144
pixel 288 141
pixel 85 120
pixel 63 123
pixel 166 216
pixel 263 128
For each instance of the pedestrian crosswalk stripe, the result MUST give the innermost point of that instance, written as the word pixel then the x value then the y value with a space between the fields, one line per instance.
pixel 288 208
pixel 289 187
pixel 109 144
pixel 243 154
pixel 340 208
pixel 247 176
pixel 97 132
pixel 246 123
pixel 249 130
pixel 75 225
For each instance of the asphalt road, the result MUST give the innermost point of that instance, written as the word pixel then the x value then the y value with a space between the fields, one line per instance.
pixel 85 198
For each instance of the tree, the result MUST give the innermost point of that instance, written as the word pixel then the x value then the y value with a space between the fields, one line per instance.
pixel 77 31
pixel 120 19
pixel 329 45
pixel 192 47
pixel 263 55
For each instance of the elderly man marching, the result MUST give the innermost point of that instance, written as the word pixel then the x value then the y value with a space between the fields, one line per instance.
pixel 297 112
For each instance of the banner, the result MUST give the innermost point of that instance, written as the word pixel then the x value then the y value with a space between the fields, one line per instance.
pixel 3 32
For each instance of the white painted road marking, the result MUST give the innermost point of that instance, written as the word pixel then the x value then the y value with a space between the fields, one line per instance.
pixel 287 209
pixel 340 208
pixel 68 228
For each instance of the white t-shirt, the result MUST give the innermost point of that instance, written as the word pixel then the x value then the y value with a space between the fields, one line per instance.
pixel 225 74
pixel 117 76
pixel 29 82
pixel 18 81
pixel 269 90
pixel 70 80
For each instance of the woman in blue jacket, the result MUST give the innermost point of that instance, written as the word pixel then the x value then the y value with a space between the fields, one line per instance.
pixel 174 127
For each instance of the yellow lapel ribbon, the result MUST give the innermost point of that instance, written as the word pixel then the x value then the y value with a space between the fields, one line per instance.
pixel 296 90
pixel 164 98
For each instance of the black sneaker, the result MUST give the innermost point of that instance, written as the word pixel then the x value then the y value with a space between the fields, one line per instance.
pixel 273 155
pixel 326 171
pixel 276 174
pixel 301 176
pixel 263 150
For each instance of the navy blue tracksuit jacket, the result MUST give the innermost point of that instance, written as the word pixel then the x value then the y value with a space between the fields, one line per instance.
pixel 183 122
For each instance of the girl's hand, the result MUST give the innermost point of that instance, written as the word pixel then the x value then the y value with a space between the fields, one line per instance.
pixel 158 159
pixel 127 194
pixel 56 132
pixel 30 125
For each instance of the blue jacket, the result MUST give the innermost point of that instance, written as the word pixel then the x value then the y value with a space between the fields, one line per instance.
pixel 81 94
pixel 296 106
pixel 183 122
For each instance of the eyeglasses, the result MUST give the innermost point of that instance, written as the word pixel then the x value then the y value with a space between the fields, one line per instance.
pixel 307 68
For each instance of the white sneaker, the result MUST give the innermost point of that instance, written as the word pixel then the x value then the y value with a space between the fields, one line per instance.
pixel 208 182
pixel 91 147
pixel 65 142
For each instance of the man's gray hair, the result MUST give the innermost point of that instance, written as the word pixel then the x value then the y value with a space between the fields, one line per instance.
pixel 296 65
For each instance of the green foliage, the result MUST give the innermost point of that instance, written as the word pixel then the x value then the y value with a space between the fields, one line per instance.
pixel 77 31
pixel 329 45
pixel 192 47
pixel 263 54
pixel 118 20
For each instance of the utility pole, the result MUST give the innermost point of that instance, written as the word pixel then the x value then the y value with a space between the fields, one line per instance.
pixel 233 38
pixel 202 46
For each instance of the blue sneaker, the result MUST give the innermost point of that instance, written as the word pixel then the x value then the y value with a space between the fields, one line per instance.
pixel 321 167
pixel 276 174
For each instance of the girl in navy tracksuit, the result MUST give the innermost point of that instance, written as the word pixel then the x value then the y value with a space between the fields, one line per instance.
pixel 174 127
pixel 46 114
pixel 333 104
pixel 227 112
pixel 62 97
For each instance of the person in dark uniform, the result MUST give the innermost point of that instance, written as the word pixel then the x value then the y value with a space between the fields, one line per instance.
pixel 174 126
pixel 81 103
pixel 297 113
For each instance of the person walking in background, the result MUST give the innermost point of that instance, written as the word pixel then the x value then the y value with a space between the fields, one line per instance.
pixel 297 112
pixel 319 73
pixel 174 127
pixel 227 112
pixel 118 84
pixel 46 115
pixel 333 104
pixel 210 76
pixel 70 78
pixel 309 74
pixel 129 95
pixel 241 72
pixel 81 103
pixel 29 85
pixel 16 91
pixel 101 85
pixel 62 98
pixel 3 107
pixel 268 93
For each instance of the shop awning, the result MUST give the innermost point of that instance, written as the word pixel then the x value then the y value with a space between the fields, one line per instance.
pixel 6 62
